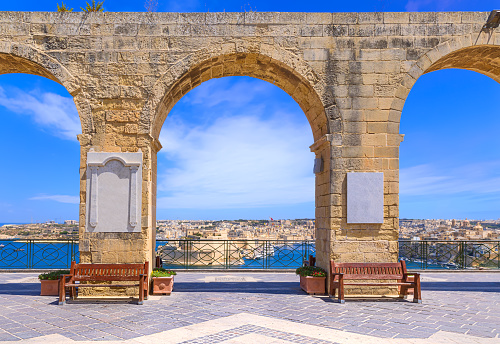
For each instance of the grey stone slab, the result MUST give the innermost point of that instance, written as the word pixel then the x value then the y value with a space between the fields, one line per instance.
pixel 8 337
pixel 365 197
pixel 28 334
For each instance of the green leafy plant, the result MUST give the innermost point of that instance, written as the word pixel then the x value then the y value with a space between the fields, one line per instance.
pixel 53 275
pixel 63 8
pixel 162 272
pixel 314 271
pixel 93 7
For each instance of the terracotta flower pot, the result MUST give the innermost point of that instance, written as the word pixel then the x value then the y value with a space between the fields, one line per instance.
pixel 163 285
pixel 313 285
pixel 49 287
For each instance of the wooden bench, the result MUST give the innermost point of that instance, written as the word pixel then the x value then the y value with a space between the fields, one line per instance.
pixel 355 273
pixel 104 273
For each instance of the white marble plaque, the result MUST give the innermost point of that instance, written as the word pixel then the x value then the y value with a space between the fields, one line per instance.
pixel 365 197
pixel 114 192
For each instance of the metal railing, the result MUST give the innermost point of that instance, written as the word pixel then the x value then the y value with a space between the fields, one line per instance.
pixel 252 254
pixel 438 254
pixel 234 254
pixel 38 253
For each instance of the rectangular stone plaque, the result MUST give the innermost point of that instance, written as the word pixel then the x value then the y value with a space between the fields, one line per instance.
pixel 365 197
pixel 114 192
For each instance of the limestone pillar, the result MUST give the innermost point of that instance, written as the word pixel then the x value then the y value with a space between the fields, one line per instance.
pixel 117 132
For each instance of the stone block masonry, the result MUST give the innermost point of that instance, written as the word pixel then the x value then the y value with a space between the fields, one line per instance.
pixel 349 72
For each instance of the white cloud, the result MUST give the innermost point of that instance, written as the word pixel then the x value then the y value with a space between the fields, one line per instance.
pixel 50 111
pixel 57 198
pixel 235 162
pixel 234 94
pixel 428 180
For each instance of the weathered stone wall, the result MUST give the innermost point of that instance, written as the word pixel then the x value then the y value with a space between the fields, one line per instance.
pixel 349 72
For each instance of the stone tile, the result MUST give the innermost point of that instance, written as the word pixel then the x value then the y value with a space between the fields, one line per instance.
pixel 8 337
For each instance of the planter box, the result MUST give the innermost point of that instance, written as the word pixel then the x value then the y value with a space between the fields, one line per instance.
pixel 49 287
pixel 313 285
pixel 163 285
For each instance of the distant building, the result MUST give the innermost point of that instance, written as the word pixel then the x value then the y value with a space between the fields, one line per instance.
pixel 70 222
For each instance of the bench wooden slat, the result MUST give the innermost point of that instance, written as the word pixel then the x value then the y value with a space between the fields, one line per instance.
pixel 101 285
pixel 383 284
pixel 106 278
pixel 372 277
pixel 369 265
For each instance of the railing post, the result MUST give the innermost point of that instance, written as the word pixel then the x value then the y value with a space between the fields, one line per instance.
pixel 186 254
pixel 29 260
pixel 426 254
pixel 462 255
pixel 225 244
pixel 498 254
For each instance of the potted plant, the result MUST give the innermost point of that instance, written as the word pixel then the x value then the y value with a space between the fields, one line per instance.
pixel 162 280
pixel 50 282
pixel 312 279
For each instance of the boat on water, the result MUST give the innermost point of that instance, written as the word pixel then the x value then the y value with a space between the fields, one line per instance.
pixel 261 252
pixel 2 246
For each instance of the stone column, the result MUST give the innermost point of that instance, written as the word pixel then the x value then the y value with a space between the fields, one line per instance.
pixel 117 132
pixel 323 200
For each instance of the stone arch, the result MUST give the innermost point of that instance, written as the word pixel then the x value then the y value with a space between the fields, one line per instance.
pixel 466 52
pixel 278 67
pixel 21 58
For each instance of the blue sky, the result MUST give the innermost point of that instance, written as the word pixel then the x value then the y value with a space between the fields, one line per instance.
pixel 450 165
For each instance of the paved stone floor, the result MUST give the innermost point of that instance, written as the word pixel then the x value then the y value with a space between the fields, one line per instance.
pixel 257 308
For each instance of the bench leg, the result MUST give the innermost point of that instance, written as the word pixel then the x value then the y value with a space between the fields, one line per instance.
pixel 62 292
pixel 146 291
pixel 417 293
pixel 141 290
pixel 403 291
pixel 332 292
pixel 341 289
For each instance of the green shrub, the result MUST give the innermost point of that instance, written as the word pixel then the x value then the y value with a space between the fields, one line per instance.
pixel 53 275
pixel 314 271
pixel 162 272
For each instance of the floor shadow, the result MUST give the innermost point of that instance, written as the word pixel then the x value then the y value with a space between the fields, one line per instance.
pixel 240 287
pixel 100 301
pixel 20 288
pixel 491 287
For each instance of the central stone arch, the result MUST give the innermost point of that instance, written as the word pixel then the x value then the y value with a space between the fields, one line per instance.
pixel 280 68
